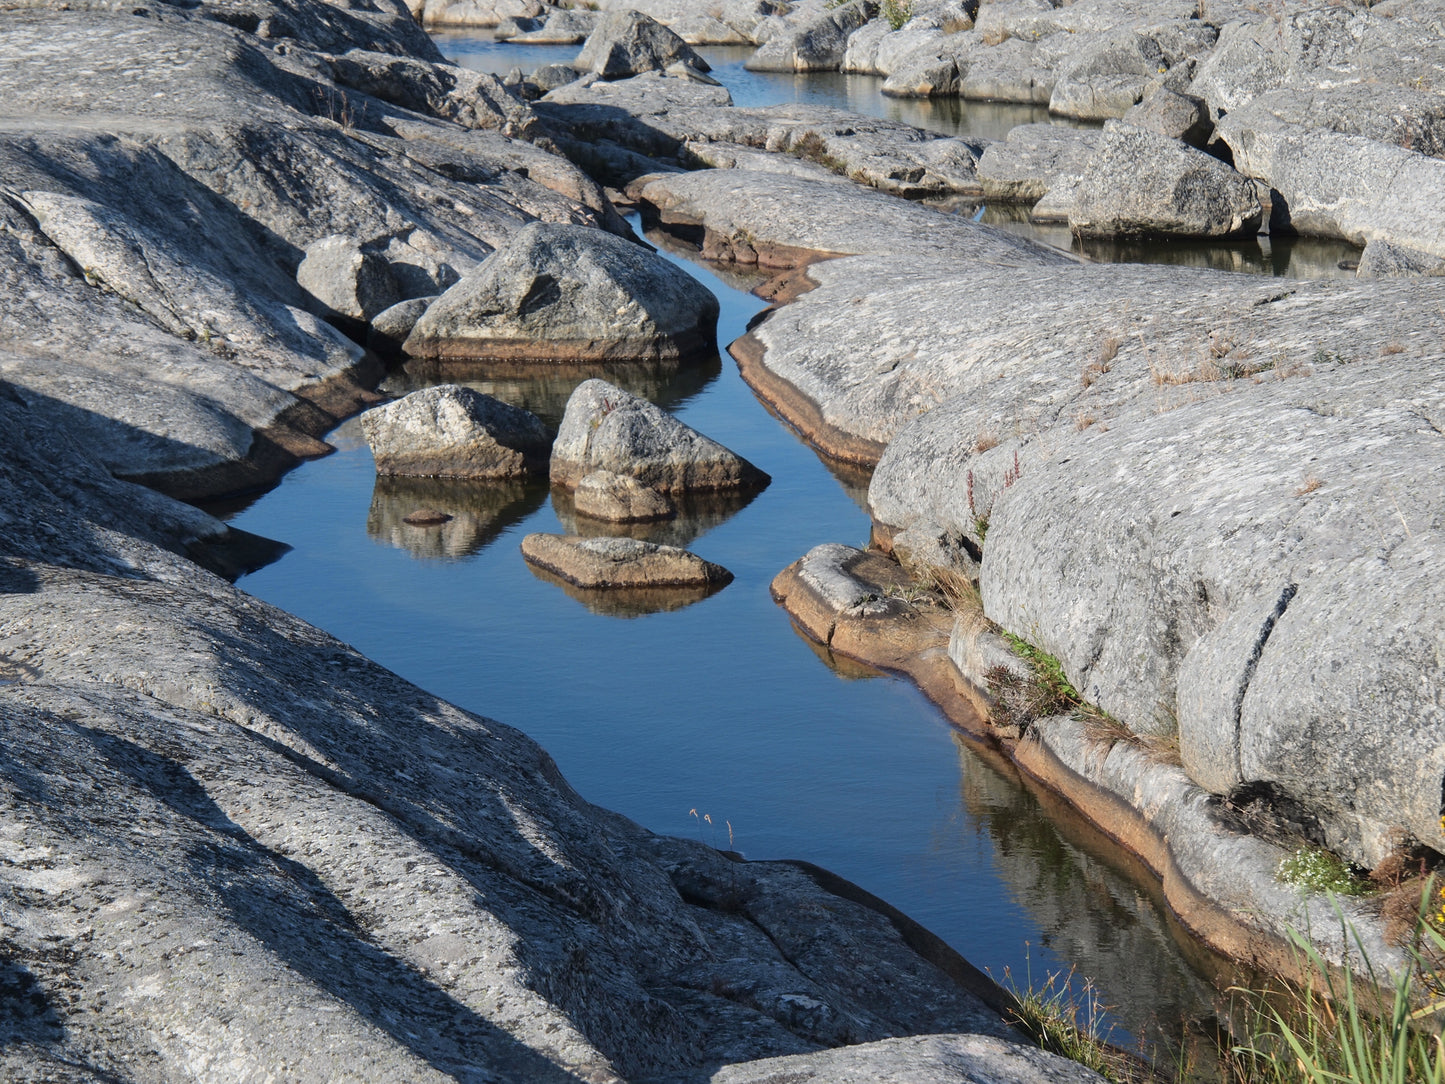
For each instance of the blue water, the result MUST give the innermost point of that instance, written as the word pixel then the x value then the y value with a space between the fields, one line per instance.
pixel 720 708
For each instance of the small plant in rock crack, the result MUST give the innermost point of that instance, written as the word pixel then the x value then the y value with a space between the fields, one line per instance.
pixel 897 12
pixel 608 406
pixel 1315 869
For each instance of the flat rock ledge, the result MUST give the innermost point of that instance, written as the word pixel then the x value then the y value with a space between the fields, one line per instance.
pixel 621 562
pixel 449 431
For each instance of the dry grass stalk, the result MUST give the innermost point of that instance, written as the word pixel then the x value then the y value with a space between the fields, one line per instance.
pixel 1309 485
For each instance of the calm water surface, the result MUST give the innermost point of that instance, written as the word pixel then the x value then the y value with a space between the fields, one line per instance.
pixel 719 705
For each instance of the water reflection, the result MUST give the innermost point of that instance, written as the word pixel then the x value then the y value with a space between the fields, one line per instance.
pixel 697 513
pixel 1097 906
pixel 479 512
pixel 628 601
pixel 545 390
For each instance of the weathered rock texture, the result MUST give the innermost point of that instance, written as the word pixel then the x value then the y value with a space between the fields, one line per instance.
pixel 156 212
pixel 621 562
pixel 629 43
pixel 564 293
pixel 606 428
pixel 453 432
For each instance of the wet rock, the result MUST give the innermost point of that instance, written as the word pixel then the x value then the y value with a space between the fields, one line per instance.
pixel 620 498
pixel 606 428
pixel 1177 116
pixel 346 281
pixel 628 43
pixel 564 293
pixel 620 562
pixel 426 517
pixel 1141 183
pixel 1382 259
pixel 818 44
pixel 1034 158
pixel 450 431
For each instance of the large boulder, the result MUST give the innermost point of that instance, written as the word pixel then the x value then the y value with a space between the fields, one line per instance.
pixel 1032 159
pixel 817 44
pixel 1107 77
pixel 450 431
pixel 1335 185
pixel 564 293
pixel 620 562
pixel 606 428
pixel 1140 183
pixel 628 43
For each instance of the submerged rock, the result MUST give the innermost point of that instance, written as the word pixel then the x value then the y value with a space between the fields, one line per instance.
pixel 563 293
pixel 454 432
pixel 606 428
pixel 621 562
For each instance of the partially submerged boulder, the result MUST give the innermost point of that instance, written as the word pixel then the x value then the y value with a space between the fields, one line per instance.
pixel 621 563
pixel 606 428
pixel 628 43
pixel 566 293
pixel 450 431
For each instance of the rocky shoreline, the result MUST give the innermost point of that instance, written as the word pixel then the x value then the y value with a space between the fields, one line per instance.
pixel 235 848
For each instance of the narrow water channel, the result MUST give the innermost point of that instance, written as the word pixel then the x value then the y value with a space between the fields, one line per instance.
pixel 717 719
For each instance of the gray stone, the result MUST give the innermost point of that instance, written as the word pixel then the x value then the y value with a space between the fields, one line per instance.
pixel 620 498
pixel 620 563
pixel 720 155
pixel 1140 183
pixel 1013 70
pixel 628 43
pixel 473 12
pixel 1108 76
pixel 930 1059
pixel 1404 116
pixel 818 44
pixel 1177 116
pixel 1335 185
pixel 923 77
pixel 1032 159
pixel 549 77
pixel 1382 259
pixel 345 281
pixel 560 27
pixel 390 327
pixel 566 293
pixel 450 431
pixel 606 428
pixel 706 30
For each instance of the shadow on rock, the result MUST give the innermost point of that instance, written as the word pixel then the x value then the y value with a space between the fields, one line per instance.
pixel 545 389
pixel 697 513
pixel 477 512
pixel 628 601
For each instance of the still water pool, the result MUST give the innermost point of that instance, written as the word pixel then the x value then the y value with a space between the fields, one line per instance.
pixel 720 710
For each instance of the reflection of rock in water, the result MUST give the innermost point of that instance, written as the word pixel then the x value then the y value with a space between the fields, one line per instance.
pixel 697 513
pixel 545 389
pixel 628 601
pixel 1112 925
pixel 844 667
pixel 480 511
